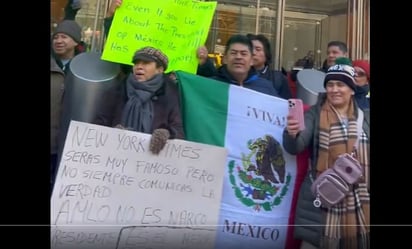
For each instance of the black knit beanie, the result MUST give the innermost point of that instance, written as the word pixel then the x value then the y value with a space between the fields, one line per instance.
pixel 341 72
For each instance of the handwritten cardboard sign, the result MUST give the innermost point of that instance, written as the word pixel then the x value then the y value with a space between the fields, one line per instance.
pixel 111 190
pixel 177 27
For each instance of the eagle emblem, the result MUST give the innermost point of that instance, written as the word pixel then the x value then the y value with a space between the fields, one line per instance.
pixel 262 178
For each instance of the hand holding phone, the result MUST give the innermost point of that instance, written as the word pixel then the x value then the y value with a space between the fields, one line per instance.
pixel 296 111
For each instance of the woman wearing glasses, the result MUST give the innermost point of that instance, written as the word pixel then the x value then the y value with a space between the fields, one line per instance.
pixel 362 83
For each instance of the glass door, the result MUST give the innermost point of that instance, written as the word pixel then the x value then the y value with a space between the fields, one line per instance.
pixel 302 41
pixel 232 19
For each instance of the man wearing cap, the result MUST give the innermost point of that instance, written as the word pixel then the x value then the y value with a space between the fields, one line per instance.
pixel 146 100
pixel 66 43
pixel 334 125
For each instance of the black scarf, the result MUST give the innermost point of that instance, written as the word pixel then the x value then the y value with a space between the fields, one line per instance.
pixel 360 95
pixel 138 112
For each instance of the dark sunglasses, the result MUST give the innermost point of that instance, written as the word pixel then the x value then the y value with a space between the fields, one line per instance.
pixel 360 74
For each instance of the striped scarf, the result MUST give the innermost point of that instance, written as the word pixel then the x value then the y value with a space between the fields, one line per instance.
pixel 347 223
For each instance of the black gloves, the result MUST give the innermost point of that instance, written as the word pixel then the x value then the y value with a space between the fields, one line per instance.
pixel 71 9
pixel 119 126
pixel 158 140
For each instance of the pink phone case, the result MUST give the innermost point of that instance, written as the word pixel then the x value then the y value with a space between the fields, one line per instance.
pixel 296 110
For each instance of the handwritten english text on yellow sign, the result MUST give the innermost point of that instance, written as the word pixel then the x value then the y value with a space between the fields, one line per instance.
pixel 177 27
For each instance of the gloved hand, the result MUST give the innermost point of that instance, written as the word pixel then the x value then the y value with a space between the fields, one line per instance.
pixel 158 140
pixel 119 126
pixel 76 4
pixel 71 9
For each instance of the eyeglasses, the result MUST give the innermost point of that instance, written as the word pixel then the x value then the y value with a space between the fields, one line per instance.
pixel 360 74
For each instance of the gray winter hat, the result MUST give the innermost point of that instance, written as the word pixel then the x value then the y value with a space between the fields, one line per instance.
pixel 70 28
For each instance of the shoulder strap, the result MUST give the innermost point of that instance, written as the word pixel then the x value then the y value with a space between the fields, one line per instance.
pixel 366 117
pixel 359 123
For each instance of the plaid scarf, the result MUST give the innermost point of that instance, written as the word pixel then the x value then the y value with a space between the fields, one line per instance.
pixel 347 223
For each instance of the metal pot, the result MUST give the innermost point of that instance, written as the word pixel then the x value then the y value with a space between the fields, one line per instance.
pixel 85 83
pixel 309 84
pixel 87 80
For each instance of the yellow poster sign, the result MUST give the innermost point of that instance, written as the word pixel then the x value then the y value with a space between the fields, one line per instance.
pixel 177 27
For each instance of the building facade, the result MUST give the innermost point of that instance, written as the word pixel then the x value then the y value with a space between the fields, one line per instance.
pixel 295 28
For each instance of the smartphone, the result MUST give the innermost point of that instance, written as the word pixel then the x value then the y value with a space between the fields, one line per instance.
pixel 296 110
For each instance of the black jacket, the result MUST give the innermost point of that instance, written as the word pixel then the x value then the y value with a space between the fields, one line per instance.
pixel 279 81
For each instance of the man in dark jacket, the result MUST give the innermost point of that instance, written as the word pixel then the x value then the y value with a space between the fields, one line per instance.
pixel 334 50
pixel 238 68
pixel 262 58
pixel 66 44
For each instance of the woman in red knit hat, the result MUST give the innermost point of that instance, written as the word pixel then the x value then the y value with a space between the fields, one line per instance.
pixel 362 69
pixel 362 75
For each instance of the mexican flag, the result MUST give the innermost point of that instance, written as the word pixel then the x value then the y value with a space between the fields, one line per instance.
pixel 260 176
